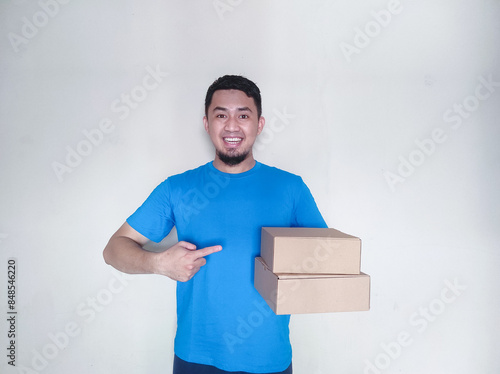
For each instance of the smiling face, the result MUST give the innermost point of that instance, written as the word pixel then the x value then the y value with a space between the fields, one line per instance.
pixel 233 124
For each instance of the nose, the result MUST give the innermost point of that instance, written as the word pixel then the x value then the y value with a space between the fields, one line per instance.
pixel 231 124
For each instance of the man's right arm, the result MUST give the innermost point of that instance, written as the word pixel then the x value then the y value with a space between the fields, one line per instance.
pixel 125 252
pixel 180 262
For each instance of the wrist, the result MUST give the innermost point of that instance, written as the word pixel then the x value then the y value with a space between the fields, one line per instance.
pixel 151 262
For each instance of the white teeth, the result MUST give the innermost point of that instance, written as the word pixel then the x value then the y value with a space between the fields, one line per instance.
pixel 232 140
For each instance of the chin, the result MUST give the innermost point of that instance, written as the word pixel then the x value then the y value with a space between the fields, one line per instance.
pixel 232 158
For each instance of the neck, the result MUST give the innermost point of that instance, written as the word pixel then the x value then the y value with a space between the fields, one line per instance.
pixel 243 166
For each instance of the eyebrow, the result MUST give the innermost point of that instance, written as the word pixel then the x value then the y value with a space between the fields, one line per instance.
pixel 240 109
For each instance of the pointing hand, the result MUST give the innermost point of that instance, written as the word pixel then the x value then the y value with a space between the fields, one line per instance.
pixel 182 261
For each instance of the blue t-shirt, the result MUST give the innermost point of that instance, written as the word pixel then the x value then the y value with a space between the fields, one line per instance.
pixel 221 318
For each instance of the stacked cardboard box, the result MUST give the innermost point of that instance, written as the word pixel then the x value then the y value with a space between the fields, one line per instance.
pixel 311 270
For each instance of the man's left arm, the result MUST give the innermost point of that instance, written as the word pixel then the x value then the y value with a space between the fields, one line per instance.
pixel 306 212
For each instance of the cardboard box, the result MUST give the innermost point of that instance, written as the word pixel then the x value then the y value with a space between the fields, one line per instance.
pixel 297 250
pixel 312 293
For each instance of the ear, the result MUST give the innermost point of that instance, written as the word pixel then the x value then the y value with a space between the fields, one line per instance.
pixel 262 122
pixel 205 123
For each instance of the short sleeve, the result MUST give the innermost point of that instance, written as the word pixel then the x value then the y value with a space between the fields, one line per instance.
pixel 154 218
pixel 306 212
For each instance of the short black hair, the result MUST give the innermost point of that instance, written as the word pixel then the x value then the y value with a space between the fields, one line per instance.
pixel 235 82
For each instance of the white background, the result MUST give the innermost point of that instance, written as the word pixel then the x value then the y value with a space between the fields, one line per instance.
pixel 353 89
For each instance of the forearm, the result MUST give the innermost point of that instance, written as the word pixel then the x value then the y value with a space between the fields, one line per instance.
pixel 126 255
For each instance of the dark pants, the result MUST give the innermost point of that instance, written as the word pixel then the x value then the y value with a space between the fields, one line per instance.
pixel 184 367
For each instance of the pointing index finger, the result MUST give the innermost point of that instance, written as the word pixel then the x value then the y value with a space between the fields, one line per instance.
pixel 207 251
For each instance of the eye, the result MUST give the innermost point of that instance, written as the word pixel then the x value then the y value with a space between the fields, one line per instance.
pixel 244 116
pixel 220 115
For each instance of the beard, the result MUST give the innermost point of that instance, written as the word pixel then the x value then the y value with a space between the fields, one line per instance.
pixel 232 159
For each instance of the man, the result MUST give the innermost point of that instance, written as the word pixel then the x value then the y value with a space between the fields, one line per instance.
pixel 223 324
